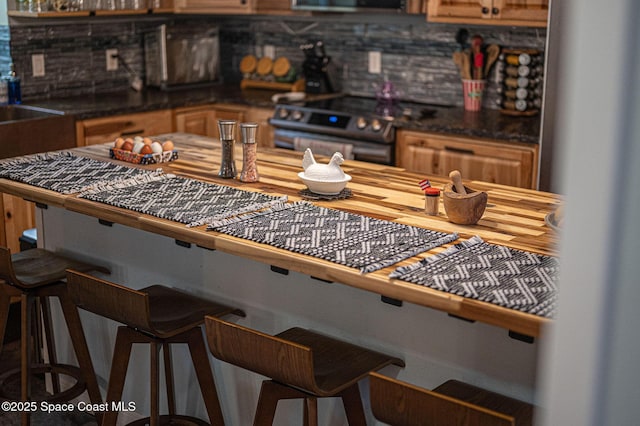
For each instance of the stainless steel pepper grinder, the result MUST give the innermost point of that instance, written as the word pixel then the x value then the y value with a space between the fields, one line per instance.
pixel 227 130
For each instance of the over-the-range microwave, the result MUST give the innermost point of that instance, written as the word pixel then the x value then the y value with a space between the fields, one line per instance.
pixel 350 5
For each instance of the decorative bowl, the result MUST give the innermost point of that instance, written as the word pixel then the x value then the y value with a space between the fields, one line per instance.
pixel 325 187
pixel 464 209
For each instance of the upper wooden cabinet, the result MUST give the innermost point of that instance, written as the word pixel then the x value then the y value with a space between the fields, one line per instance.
pixel 513 164
pixel 531 13
pixel 215 6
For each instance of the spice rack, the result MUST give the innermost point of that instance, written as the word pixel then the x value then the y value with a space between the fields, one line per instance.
pixel 521 77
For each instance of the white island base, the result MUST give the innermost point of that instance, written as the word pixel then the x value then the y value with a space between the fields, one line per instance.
pixel 435 347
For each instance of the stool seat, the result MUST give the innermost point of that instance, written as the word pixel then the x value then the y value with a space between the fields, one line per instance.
pixel 454 403
pixel 300 363
pixel 37 267
pixel 33 277
pixel 158 316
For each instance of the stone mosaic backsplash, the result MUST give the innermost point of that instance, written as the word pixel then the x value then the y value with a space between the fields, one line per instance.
pixel 416 55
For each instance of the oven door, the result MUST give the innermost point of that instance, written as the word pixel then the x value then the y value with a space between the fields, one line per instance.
pixel 372 152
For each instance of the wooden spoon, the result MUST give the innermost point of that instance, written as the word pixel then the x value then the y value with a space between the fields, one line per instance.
pixel 493 51
pixel 466 66
pixel 456 178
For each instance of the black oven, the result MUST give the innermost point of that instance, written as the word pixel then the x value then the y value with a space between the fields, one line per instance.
pixel 350 125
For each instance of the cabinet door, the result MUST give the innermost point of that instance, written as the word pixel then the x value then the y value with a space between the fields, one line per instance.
pixel 215 6
pixel 531 13
pixel 486 169
pixel 417 157
pixel 265 130
pixel 106 129
pixel 456 8
pixel 199 122
pixel 18 216
pixel 525 10
pixel 498 162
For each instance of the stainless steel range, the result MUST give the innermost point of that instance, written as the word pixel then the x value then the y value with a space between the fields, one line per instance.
pixel 357 127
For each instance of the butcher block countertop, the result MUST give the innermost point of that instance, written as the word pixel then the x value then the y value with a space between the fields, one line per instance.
pixel 514 217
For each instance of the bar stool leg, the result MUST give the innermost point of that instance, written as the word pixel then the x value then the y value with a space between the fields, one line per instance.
pixel 270 393
pixel 154 350
pixel 353 405
pixel 119 365
pixel 51 347
pixel 168 376
pixel 76 333
pixel 26 304
pixel 311 411
pixel 5 304
pixel 200 359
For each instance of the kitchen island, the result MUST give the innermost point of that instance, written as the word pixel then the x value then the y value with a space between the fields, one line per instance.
pixel 278 288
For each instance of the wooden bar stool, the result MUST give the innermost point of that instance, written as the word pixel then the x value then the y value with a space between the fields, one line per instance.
pixel 453 403
pixel 32 277
pixel 300 363
pixel 158 316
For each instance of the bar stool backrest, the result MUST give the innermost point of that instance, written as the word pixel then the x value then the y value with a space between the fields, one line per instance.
pixel 110 300
pixel 281 360
pixel 6 267
pixel 402 404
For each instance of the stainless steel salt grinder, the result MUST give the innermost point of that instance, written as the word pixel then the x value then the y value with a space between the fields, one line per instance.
pixel 227 130
pixel 249 152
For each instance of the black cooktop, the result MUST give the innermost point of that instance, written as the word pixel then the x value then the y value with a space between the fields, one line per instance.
pixel 358 105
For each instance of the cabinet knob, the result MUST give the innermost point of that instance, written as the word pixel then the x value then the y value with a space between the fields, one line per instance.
pixel 495 11
pixel 485 10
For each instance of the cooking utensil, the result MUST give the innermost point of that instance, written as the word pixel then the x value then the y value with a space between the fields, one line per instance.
pixel 462 36
pixel 478 62
pixel 493 51
pixel 466 66
pixel 456 179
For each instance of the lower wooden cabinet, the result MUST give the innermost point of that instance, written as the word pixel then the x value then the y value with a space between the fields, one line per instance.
pixel 18 215
pixel 265 130
pixel 203 120
pixel 505 163
pixel 105 129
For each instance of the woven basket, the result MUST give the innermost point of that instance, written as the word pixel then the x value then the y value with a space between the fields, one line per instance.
pixel 131 157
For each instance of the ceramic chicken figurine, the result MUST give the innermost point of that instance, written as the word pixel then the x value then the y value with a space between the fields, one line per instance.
pixel 329 172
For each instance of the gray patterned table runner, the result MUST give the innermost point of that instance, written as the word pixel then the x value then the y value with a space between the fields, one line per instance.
pixel 348 239
pixel 496 274
pixel 67 173
pixel 182 199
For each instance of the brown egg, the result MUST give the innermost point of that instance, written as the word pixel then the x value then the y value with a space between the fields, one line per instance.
pixel 146 149
pixel 147 141
pixel 167 146
pixel 127 146
pixel 118 143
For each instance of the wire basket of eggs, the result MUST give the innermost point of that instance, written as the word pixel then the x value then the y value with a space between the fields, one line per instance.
pixel 141 150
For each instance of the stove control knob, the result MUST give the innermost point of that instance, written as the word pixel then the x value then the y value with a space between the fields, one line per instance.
pixel 361 123
pixel 296 115
pixel 283 113
pixel 376 125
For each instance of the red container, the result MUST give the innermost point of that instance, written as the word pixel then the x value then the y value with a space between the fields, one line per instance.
pixel 472 91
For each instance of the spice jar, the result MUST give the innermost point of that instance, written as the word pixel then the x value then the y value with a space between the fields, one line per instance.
pixel 249 152
pixel 227 130
pixel 432 201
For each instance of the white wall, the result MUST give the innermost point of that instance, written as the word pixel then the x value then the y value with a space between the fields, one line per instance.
pixel 590 374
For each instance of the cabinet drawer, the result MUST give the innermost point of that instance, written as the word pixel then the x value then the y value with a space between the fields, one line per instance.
pixel 106 129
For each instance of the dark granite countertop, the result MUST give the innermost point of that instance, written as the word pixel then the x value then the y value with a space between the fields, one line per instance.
pixel 488 124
